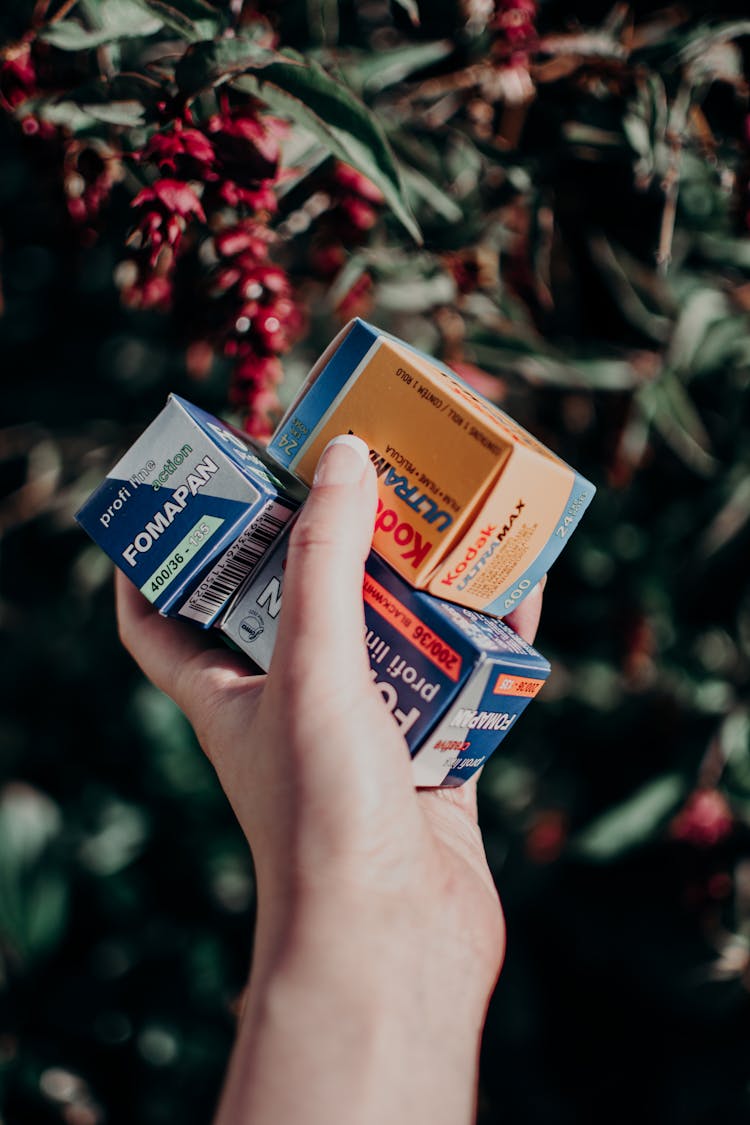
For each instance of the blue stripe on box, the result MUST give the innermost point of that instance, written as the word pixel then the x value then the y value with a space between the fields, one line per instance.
pixel 322 392
pixel 525 584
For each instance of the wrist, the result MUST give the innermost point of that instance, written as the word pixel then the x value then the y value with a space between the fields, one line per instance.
pixel 384 1047
pixel 378 950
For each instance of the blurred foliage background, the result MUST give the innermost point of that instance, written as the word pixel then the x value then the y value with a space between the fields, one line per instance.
pixel 555 199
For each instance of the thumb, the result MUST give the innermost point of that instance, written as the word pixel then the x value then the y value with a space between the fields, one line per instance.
pixel 322 620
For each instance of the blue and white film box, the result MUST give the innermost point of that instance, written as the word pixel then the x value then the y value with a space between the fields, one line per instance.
pixel 189 510
pixel 454 680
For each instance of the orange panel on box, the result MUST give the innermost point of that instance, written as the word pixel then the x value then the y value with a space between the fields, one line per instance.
pixel 471 506
pixel 433 455
pixel 517 685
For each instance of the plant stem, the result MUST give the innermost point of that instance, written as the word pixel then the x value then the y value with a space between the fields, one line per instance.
pixel 62 12
pixel 671 182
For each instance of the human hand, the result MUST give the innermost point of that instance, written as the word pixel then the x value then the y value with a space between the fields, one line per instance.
pixel 363 882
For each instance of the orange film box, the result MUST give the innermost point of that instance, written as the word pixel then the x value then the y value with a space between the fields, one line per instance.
pixel 471 507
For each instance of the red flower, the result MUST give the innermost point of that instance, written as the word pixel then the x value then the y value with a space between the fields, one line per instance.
pixel 263 328
pixel 91 169
pixel 246 144
pixel 357 198
pixel 359 213
pixel 256 371
pixel 182 152
pixel 18 78
pixel 516 34
pixel 260 319
pixel 36 127
pixel 153 291
pixel 262 409
pixel 261 197
pixel 354 208
pixel 704 820
pixel 253 391
pixel 327 260
pixel 358 301
pixel 244 238
pixel 546 836
pixel 272 279
pixel 172 197
pixel 514 14
pixel 274 325
pixel 165 208
pixel 353 181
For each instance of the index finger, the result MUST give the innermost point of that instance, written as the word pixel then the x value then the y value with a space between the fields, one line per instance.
pixel 176 657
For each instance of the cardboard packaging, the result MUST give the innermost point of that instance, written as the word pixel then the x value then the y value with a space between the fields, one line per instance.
pixel 454 680
pixel 471 506
pixel 189 510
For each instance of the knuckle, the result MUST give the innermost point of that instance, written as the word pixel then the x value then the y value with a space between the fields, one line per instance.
pixel 311 534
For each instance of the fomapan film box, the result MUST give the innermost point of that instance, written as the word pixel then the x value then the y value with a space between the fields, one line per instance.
pixel 189 510
pixel 454 680
pixel 471 506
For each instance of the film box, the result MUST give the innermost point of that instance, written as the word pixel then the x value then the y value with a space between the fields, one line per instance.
pixel 454 680
pixel 189 510
pixel 471 506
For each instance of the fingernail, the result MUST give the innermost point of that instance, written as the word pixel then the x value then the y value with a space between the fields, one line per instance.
pixel 343 461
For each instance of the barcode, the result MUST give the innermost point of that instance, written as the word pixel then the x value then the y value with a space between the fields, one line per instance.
pixel 235 565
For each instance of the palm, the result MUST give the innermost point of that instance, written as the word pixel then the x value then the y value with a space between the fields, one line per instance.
pixel 451 817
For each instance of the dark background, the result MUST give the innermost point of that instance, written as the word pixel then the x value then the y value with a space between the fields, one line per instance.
pixel 126 891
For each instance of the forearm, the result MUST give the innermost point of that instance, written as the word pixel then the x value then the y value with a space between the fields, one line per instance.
pixel 326 1035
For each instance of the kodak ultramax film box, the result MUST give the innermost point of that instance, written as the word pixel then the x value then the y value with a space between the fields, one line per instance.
pixel 189 510
pixel 471 507
pixel 454 680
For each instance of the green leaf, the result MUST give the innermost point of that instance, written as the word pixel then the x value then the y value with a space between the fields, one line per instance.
pixel 670 45
pixel 305 93
pixel 412 10
pixel 416 294
pixel 176 20
pixel 724 252
pixel 425 189
pixel 670 410
pixel 613 267
pixel 698 313
pixel 71 36
pixel 197 11
pixel 371 72
pixel 698 41
pixel 130 114
pixel 639 137
pixel 725 345
pixel 598 44
pixel 302 91
pixel 734 739
pixel 732 517
pixel 117 19
pixel 347 277
pixel 525 358
pixel 33 890
pixel 631 823
pixel 581 133
pixel 210 63
pixel 65 113
pixel 118 838
pixel 46 913
pixel 80 116
pixel 128 100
